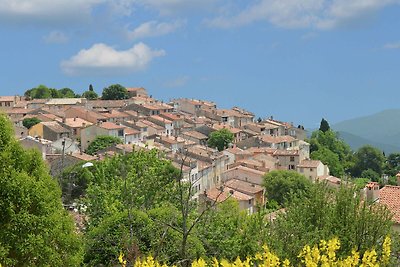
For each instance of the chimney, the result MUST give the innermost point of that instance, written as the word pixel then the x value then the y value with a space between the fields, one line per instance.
pixel 63 119
pixel 372 189
pixel 75 118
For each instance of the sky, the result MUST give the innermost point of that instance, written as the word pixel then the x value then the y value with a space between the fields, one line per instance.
pixel 296 60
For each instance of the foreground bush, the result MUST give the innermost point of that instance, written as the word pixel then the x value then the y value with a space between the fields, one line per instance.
pixel 323 254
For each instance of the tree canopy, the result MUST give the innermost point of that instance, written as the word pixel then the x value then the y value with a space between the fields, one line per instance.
pixel 114 92
pixel 332 151
pixel 368 157
pixel 102 142
pixel 324 126
pixel 35 229
pixel 29 122
pixel 282 185
pixel 90 94
pixel 43 92
pixel 220 139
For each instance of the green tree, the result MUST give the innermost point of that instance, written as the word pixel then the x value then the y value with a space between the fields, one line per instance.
pixel 220 139
pixel 102 142
pixel 66 93
pixel 324 126
pixel 371 175
pixel 283 185
pixel 228 233
pixel 330 159
pixel 91 95
pixel 321 142
pixel 35 229
pixel 115 92
pixel 327 213
pixel 368 157
pixel 40 92
pixel 29 122
pixel 392 166
pixel 123 185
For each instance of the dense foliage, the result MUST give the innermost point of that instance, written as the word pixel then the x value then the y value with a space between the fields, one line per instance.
pixel 90 94
pixel 220 139
pixel 101 142
pixel 281 186
pixel 327 213
pixel 114 92
pixel 35 229
pixel 29 122
pixel 332 151
pixel 43 92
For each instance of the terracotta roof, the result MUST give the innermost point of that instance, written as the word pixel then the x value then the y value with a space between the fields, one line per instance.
pixel 195 134
pixel 277 139
pixel 19 111
pixel 244 187
pixel 130 131
pixel 7 98
pixel 134 89
pixel 114 114
pixel 110 126
pixel 390 196
pixel 55 126
pixel 309 163
pixel 246 169
pixel 215 194
pixel 281 152
pixel 76 122
pixel 83 156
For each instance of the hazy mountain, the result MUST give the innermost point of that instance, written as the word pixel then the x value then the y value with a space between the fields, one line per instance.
pixel 381 130
pixel 356 142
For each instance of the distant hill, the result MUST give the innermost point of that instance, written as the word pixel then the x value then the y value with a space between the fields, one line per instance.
pixel 381 130
pixel 356 142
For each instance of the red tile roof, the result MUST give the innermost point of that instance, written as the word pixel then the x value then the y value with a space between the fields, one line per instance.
pixel 390 196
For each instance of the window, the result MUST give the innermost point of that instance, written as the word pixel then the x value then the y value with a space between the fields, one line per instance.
pixel 291 167
pixel 224 119
pixel 120 132
pixel 249 201
pixel 311 169
pixel 291 158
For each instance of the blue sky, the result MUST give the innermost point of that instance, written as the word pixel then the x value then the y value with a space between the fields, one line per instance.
pixel 298 60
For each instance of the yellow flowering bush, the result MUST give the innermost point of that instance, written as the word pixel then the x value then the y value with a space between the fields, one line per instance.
pixel 321 255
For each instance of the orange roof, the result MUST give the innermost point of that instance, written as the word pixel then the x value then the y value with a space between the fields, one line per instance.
pixel 111 126
pixel 130 131
pixel 309 163
pixel 217 195
pixel 76 122
pixel 390 196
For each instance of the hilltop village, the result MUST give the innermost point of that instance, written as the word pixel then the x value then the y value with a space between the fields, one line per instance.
pixel 180 129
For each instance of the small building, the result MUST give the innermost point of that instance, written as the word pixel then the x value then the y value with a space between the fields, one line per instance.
pixel 90 133
pixel 312 169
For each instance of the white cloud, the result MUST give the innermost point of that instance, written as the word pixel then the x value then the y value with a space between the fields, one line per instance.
pixel 153 29
pixel 178 82
pixel 46 10
pixel 55 37
pixel 103 59
pixel 320 14
pixel 395 45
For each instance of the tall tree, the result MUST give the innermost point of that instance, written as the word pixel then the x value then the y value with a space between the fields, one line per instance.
pixel 368 157
pixel 282 185
pixel 331 150
pixel 324 126
pixel 115 92
pixel 35 229
pixel 220 139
